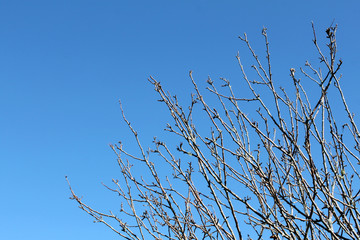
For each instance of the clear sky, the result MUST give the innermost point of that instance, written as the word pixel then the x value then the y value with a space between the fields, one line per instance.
pixel 65 64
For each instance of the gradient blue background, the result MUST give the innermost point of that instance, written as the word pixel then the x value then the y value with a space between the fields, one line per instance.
pixel 65 64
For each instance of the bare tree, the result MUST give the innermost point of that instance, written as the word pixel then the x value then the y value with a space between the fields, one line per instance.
pixel 288 171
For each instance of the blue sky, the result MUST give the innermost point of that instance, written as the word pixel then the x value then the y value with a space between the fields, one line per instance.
pixel 65 64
